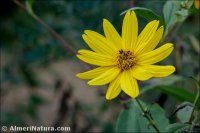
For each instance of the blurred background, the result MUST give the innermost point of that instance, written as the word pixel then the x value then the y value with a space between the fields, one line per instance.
pixel 38 83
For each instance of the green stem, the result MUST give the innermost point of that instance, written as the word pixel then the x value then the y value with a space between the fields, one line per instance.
pixel 195 101
pixel 147 116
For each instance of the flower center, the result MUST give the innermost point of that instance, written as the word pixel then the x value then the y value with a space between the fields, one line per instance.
pixel 125 60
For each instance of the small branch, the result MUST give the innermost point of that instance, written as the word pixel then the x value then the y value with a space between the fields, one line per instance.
pixel 147 115
pixel 65 44
pixel 20 4
pixel 54 33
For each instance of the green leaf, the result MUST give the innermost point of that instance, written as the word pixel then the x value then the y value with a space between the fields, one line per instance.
pixel 178 93
pixel 175 11
pixel 159 116
pixel 165 85
pixel 169 10
pixel 131 119
pixel 145 13
pixel 184 113
pixel 29 4
pixel 177 128
pixel 169 80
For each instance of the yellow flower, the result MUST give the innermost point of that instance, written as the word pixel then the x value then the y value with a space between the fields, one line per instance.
pixel 124 60
pixel 196 4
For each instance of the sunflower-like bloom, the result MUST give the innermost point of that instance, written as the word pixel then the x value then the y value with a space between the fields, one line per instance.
pixel 122 60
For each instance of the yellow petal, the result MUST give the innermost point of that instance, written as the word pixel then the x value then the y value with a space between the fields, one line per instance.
pixel 150 44
pixel 111 34
pixel 140 74
pixel 196 4
pixel 148 32
pixel 129 31
pixel 96 58
pixel 98 42
pixel 155 55
pixel 129 85
pixel 114 88
pixel 159 71
pixel 106 77
pixel 97 48
pixel 93 73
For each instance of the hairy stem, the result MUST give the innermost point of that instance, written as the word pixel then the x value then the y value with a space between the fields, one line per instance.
pixel 147 115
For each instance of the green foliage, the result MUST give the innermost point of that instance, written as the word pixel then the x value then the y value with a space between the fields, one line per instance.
pixel 184 113
pixel 29 4
pixel 34 102
pixel 12 118
pixel 177 128
pixel 131 119
pixel 107 127
pixel 178 93
pixel 145 13
pixel 175 11
pixel 16 117
pixel 197 99
pixel 169 10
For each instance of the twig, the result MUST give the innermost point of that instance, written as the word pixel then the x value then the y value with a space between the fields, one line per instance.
pixel 147 115
pixel 19 4
pixel 65 44
pixel 54 33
